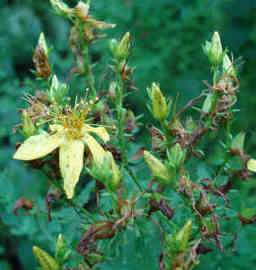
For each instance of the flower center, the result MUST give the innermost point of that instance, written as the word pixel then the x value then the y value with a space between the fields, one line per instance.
pixel 73 126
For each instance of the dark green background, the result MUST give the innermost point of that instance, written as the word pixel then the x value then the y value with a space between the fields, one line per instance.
pixel 167 37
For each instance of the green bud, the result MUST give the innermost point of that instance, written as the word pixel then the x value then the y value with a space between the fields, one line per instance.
pixel 46 261
pixel 172 245
pixel 57 91
pixel 207 105
pixel 251 165
pixel 183 235
pixel 216 49
pixel 81 10
pixel 160 108
pixel 113 45
pixel 213 50
pixel 122 50
pixel 176 156
pixel 42 43
pixel 55 84
pixel 61 251
pixel 207 48
pixel 115 180
pixel 228 66
pixel 238 141
pixel 28 127
pixel 60 7
pixel 157 168
pixel 107 172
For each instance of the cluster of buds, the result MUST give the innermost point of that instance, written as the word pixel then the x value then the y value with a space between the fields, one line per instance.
pixel 84 25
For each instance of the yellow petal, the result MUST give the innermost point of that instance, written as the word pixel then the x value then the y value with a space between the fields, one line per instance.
pixel 99 131
pixel 38 146
pixel 95 148
pixel 71 164
pixel 251 165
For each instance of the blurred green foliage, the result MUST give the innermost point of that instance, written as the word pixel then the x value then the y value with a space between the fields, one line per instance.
pixel 167 37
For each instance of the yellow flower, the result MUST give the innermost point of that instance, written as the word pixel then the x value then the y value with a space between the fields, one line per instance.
pixel 70 137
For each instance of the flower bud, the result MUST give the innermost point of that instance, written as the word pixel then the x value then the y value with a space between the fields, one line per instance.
pixel 160 108
pixel 46 261
pixel 207 48
pixel 42 43
pixel 122 50
pixel 213 49
pixel 227 65
pixel 60 7
pixel 81 10
pixel 40 58
pixel 238 142
pixel 61 248
pixel 115 180
pixel 176 156
pixel 28 127
pixel 184 234
pixel 57 91
pixel 107 172
pixel 207 105
pixel 251 165
pixel 216 53
pixel 113 46
pixel 157 168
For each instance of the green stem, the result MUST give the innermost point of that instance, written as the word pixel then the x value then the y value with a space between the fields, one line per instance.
pixel 87 73
pixel 215 99
pixel 120 120
pixel 228 144
pixel 120 90
pixel 168 136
